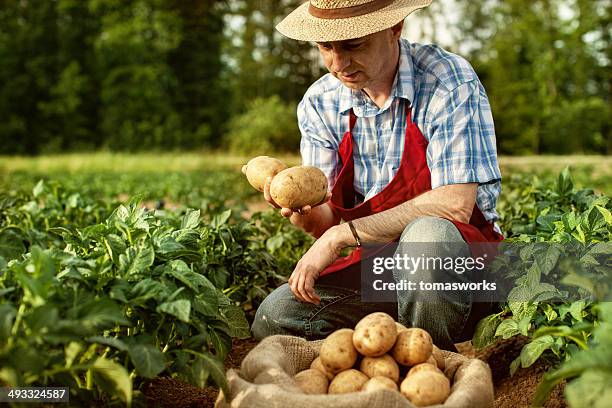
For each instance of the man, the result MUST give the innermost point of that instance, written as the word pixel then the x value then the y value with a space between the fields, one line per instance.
pixel 405 135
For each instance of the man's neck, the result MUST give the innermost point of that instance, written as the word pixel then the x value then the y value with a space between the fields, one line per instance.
pixel 380 91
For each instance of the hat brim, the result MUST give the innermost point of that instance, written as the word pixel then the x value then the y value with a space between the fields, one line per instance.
pixel 301 25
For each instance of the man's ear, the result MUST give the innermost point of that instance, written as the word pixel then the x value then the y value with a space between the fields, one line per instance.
pixel 397 30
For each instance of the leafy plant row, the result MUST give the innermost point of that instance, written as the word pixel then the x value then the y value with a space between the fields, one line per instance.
pixel 101 300
pixel 560 263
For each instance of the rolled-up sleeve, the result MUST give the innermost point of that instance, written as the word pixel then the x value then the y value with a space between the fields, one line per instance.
pixel 317 147
pixel 462 146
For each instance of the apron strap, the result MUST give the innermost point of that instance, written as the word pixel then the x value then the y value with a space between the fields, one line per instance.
pixel 352 120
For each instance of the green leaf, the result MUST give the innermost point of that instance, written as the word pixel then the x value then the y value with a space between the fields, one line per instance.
pixel 238 325
pixel 606 214
pixel 147 289
pixel 221 219
pixel 148 360
pixel 484 334
pixel 100 314
pixel 191 220
pixel 136 260
pixel 592 390
pixel 113 379
pixel 532 351
pixel 576 309
pixel 547 260
pixel 39 188
pixel 183 273
pixel 71 352
pixel 549 312
pixel 11 245
pixel 522 310
pixel 208 365
pixel 515 365
pixel 523 325
pixel 108 341
pixel 7 316
pixel 565 184
pixel 115 246
pixel 507 328
pixel 178 308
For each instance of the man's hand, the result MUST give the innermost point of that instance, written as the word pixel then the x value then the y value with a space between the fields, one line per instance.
pixel 321 254
pixel 288 212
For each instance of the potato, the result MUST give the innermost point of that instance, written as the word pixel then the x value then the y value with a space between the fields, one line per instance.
pixel 413 346
pixel 299 186
pixel 338 352
pixel 379 383
pixel 260 168
pixel 426 388
pixel 437 354
pixel 383 366
pixel 400 327
pixel 423 367
pixel 350 380
pixel 375 334
pixel 318 365
pixel 312 381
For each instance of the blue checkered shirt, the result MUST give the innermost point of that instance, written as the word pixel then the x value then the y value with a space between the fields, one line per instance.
pixel 449 105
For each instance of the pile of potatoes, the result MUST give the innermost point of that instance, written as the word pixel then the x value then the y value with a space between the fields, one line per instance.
pixel 371 357
pixel 293 187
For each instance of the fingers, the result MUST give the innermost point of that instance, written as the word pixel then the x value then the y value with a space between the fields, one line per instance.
pixel 293 280
pixel 267 195
pixel 244 168
pixel 309 287
pixel 302 286
pixel 305 210
pixel 286 212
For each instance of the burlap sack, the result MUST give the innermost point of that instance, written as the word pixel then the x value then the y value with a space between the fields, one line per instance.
pixel 265 381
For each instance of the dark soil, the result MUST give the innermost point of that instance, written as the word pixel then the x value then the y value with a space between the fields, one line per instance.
pixel 171 393
pixel 510 392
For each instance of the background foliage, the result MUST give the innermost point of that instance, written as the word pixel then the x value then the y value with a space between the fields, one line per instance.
pixel 168 74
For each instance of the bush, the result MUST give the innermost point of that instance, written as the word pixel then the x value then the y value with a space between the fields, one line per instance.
pixel 268 125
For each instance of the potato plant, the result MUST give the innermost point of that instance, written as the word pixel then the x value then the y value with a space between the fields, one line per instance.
pixel 101 299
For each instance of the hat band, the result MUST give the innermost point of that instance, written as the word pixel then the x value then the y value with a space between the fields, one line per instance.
pixel 346 12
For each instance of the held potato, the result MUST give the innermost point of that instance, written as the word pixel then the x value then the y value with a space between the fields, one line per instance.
pixel 413 346
pixel 423 367
pixel 337 351
pixel 312 381
pixel 318 365
pixel 350 380
pixel 426 388
pixel 375 334
pixel 299 186
pixel 379 383
pixel 383 366
pixel 258 169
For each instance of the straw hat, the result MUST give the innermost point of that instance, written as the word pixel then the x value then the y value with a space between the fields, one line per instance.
pixel 337 20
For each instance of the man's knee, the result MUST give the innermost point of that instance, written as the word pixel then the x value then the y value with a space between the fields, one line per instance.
pixel 431 229
pixel 276 314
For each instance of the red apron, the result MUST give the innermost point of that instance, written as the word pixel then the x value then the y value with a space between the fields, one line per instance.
pixel 412 179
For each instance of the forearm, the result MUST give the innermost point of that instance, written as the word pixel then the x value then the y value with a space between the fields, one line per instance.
pixel 451 202
pixel 319 220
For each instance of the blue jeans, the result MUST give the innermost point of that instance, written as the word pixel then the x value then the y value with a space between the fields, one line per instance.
pixel 448 320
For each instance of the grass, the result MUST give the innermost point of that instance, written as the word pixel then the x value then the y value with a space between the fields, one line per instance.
pixel 589 171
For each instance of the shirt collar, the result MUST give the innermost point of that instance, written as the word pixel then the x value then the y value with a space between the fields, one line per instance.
pixel 403 85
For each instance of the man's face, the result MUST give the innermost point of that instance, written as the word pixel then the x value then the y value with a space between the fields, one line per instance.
pixel 359 62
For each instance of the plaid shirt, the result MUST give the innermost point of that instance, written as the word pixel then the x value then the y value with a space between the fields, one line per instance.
pixel 450 107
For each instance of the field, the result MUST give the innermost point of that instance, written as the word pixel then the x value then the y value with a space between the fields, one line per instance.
pixel 130 277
